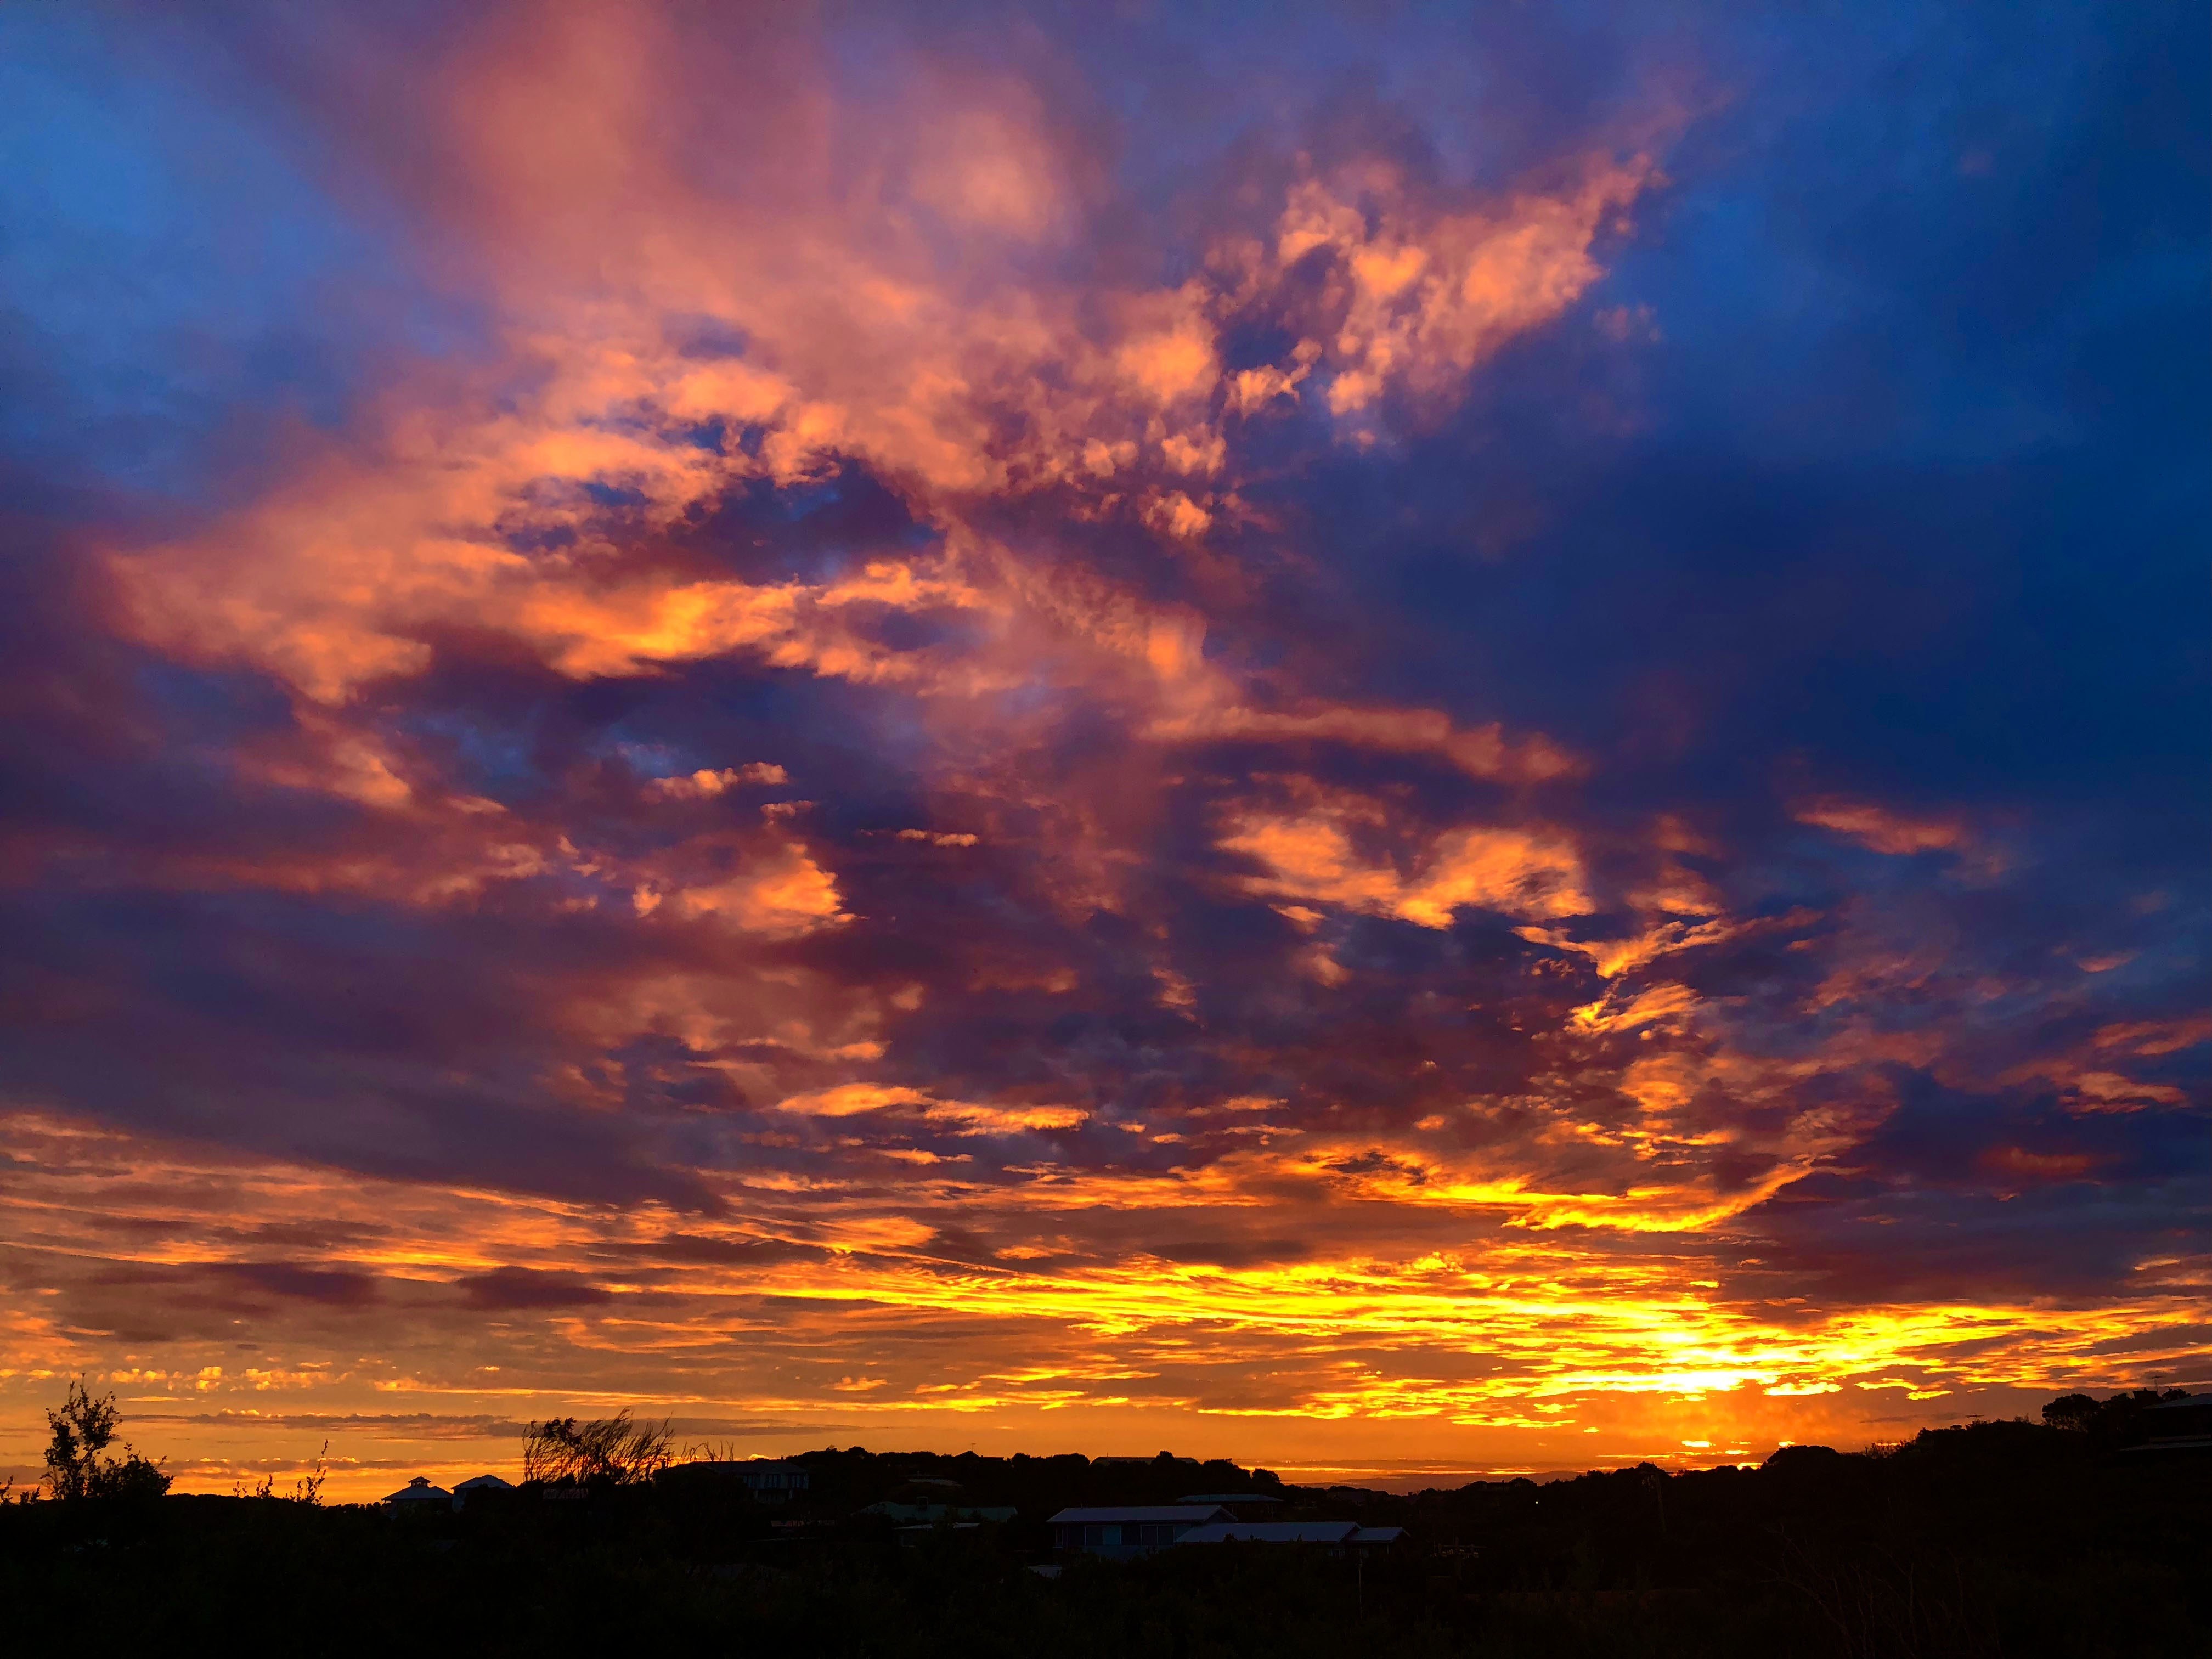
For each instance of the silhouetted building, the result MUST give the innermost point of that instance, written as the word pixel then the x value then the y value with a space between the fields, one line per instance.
pixel 419 1496
pixel 1124 1533
pixel 771 1482
pixel 478 1486
pixel 2177 1425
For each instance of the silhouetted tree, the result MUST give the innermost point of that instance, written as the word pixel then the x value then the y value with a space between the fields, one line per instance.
pixel 611 1448
pixel 2110 1424
pixel 82 1430
pixel 2074 1411
pixel 76 1461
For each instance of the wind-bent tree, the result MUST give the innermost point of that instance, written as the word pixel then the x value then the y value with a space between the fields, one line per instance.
pixel 609 1448
pixel 77 1465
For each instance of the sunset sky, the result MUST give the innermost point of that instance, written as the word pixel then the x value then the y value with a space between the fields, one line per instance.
pixel 1399 741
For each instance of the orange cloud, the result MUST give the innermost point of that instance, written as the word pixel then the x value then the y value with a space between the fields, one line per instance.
pixel 1574 1338
pixel 1313 856
pixel 1883 831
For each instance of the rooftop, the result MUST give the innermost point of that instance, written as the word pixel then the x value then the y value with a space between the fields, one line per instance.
pixel 2186 1401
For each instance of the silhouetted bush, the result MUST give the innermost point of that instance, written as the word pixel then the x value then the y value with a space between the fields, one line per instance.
pixel 78 1463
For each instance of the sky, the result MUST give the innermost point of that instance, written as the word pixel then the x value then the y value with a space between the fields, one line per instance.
pixel 1406 741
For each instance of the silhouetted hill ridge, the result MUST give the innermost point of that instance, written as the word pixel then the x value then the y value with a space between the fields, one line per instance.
pixel 1992 1539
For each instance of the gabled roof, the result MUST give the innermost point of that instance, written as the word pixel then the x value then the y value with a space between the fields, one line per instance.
pixel 484 1483
pixel 1195 1513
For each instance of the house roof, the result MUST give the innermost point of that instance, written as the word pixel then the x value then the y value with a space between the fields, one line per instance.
pixel 1195 1513
pixel 484 1483
pixel 419 1490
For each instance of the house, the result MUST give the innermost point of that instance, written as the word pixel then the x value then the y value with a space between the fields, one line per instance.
pixel 419 1496
pixel 1123 1535
pixel 1335 1536
pixel 2177 1425
pixel 764 1479
pixel 764 1475
pixel 769 1480
pixel 478 1486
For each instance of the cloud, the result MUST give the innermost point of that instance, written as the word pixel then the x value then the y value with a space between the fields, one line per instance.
pixel 508 1290
pixel 708 781
pixel 1883 831
pixel 1313 856
pixel 910 734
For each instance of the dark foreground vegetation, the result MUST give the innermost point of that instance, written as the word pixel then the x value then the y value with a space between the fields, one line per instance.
pixel 2000 1538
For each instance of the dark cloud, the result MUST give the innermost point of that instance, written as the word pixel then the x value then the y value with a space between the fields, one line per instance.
pixel 508 1290
pixel 282 1279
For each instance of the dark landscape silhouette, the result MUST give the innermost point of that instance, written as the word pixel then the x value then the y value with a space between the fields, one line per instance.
pixel 2085 1534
